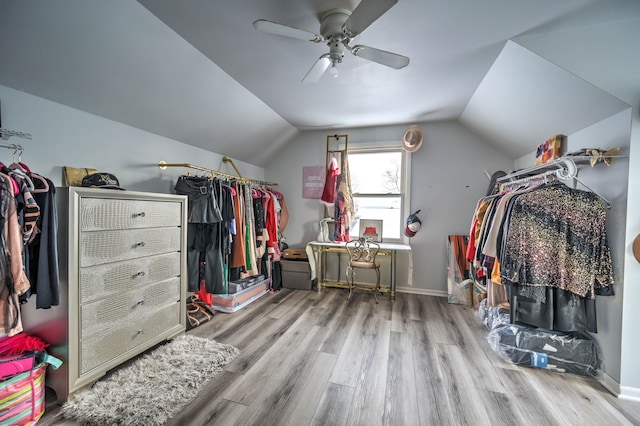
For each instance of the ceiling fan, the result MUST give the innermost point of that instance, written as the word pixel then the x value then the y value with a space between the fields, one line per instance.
pixel 337 28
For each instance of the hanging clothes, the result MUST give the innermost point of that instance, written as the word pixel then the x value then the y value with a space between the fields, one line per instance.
pixel 13 280
pixel 238 244
pixel 547 245
pixel 330 184
pixel 44 273
pixel 565 229
pixel 204 239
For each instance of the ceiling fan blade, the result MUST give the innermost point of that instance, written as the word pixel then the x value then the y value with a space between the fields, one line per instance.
pixel 285 30
pixel 364 14
pixel 317 69
pixel 382 57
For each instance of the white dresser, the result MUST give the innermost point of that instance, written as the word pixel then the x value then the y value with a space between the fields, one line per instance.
pixel 125 281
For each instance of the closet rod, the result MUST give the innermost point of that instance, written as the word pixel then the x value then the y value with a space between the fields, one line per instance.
pixel 544 177
pixel 13 146
pixel 6 134
pixel 564 169
pixel 565 164
pixel 163 165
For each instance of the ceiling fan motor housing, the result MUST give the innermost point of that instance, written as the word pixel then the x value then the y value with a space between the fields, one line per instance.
pixel 331 28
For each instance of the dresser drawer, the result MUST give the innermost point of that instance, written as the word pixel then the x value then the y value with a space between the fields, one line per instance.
pixel 111 246
pixel 109 214
pixel 110 312
pixel 119 277
pixel 114 342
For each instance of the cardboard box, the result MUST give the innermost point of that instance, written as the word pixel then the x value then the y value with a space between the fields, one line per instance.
pixel 295 254
pixel 479 293
pixel 296 274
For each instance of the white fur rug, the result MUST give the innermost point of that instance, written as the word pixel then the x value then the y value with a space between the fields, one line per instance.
pixel 153 387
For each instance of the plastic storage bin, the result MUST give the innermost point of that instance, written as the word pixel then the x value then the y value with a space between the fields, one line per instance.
pixel 296 274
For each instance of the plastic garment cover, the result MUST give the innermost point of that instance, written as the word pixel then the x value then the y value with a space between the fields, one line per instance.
pixel 575 353
pixel 492 316
pixel 561 310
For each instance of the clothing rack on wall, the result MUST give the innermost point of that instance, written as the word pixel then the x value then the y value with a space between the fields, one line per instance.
pixel 7 133
pixel 13 146
pixel 563 169
pixel 337 146
pixel 545 177
pixel 163 166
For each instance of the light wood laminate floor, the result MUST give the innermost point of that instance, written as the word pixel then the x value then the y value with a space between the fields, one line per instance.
pixel 311 358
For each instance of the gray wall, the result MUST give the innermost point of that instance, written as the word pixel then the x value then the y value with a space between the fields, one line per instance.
pixel 63 136
pixel 447 178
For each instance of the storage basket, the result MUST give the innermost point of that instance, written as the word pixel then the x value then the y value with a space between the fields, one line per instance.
pixel 22 399
pixel 22 395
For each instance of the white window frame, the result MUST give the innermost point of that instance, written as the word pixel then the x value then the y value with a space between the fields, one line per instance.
pixel 405 175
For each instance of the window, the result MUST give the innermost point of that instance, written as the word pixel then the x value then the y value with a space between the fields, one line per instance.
pixel 379 186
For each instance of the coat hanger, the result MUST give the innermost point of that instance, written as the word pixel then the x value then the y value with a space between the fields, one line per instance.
pixel 42 180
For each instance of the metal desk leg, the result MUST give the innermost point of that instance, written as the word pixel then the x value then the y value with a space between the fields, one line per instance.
pixel 392 293
pixel 320 269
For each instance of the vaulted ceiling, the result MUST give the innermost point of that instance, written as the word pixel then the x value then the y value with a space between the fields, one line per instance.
pixel 197 71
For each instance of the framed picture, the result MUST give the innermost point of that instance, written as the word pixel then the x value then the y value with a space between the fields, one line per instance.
pixel 313 181
pixel 371 229
pixel 550 150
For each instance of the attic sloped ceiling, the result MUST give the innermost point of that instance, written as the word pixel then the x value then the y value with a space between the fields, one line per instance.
pixel 196 71
pixel 118 61
pixel 525 99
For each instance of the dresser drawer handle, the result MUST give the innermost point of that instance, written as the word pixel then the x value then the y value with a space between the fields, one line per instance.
pixel 140 244
pixel 141 331
pixel 141 214
pixel 139 274
pixel 140 303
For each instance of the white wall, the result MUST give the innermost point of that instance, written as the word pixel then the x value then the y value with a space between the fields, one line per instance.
pixel 605 55
pixel 611 183
pixel 63 136
pixel 447 178
pixel 630 347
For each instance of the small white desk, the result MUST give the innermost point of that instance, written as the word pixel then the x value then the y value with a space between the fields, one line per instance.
pixel 320 250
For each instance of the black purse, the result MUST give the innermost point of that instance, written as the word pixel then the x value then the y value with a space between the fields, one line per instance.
pixel 198 312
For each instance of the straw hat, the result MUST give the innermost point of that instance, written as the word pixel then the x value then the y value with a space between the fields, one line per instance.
pixel 636 248
pixel 412 138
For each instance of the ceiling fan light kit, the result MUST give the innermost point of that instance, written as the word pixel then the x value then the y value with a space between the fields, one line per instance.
pixel 337 28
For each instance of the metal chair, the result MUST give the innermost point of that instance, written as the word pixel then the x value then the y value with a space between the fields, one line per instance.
pixel 362 255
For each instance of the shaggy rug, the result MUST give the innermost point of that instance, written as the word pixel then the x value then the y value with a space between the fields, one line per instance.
pixel 153 387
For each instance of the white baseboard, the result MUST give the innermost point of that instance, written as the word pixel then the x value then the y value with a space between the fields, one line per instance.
pixel 629 393
pixel 622 392
pixel 425 291
pixel 611 385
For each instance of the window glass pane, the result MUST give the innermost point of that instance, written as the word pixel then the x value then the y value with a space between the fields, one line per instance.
pixel 388 209
pixel 376 173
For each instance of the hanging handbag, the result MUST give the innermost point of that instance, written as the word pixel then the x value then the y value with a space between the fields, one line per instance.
pixel 73 176
pixel 323 232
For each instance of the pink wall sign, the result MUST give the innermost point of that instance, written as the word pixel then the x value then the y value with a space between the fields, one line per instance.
pixel 312 181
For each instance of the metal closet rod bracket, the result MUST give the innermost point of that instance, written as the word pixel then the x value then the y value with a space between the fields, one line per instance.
pixel 229 160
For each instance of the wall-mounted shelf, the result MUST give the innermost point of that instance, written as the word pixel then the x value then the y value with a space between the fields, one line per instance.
pixel 7 133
